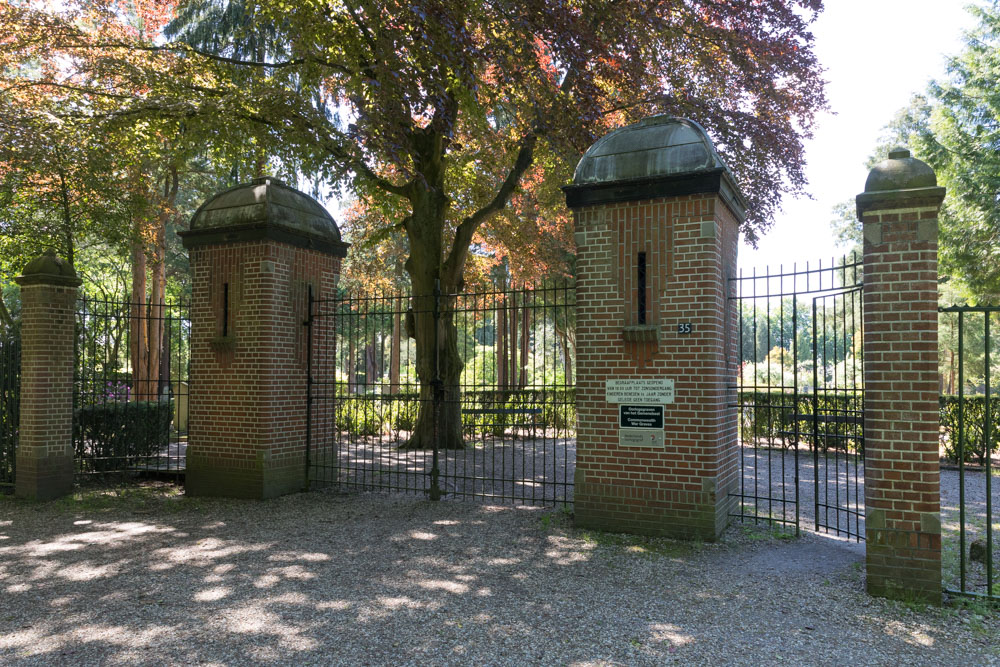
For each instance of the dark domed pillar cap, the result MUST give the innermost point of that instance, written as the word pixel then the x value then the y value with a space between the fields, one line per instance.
pixel 901 181
pixel 660 156
pixel 48 269
pixel 265 208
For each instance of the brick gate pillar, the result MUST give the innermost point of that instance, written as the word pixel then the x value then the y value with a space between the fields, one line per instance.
pixel 657 216
pixel 256 250
pixel 899 211
pixel 45 441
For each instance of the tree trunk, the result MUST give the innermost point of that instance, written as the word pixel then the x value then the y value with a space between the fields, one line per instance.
pixel 394 350
pixel 525 342
pixel 512 346
pixel 439 369
pixel 373 370
pixel 352 378
pixel 501 346
pixel 138 347
pixel 157 310
pixel 568 360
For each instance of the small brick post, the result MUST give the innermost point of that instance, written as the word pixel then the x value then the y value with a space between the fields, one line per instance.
pixel 899 211
pixel 45 444
pixel 657 218
pixel 256 251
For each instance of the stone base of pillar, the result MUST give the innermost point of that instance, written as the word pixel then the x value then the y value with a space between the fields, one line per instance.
pixel 903 564
pixel 657 512
pixel 43 478
pixel 257 479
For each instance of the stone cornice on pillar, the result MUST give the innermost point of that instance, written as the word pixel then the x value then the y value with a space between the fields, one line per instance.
pixel 48 269
pixel 893 200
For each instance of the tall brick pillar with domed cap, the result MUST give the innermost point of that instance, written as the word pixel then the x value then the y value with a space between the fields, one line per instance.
pixel 657 218
pixel 899 211
pixel 256 252
pixel 48 317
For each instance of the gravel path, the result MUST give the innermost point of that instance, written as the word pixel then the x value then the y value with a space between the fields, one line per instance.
pixel 535 467
pixel 146 577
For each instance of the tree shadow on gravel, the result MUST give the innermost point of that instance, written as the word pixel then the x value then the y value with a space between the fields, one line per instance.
pixel 155 577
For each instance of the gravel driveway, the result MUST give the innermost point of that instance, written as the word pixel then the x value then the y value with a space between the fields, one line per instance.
pixel 149 577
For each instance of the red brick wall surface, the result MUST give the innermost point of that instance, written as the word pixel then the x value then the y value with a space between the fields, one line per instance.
pixel 248 390
pixel 902 492
pixel 45 443
pixel 680 489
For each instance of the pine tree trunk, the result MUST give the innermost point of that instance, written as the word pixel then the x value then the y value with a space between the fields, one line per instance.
pixel 138 338
pixel 394 350
pixel 352 377
pixel 157 313
pixel 525 342
pixel 501 346
pixel 567 359
pixel 512 346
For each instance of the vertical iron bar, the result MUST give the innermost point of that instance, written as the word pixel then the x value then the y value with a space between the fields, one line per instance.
pixel 795 396
pixel 961 448
pixel 309 382
pixel 435 490
pixel 989 456
pixel 832 407
pixel 815 417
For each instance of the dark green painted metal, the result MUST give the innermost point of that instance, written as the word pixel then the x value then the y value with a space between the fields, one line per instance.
pixel 971 584
pixel 10 403
pixel 768 490
pixel 519 440
pixel 104 380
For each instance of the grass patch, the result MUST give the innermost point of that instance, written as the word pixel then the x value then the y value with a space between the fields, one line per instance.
pixel 141 498
pixel 640 545
pixel 768 532
pixel 562 517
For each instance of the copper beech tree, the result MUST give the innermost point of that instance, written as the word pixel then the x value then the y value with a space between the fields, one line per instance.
pixel 436 111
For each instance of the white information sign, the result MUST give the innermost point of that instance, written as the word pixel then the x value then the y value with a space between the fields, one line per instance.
pixel 648 391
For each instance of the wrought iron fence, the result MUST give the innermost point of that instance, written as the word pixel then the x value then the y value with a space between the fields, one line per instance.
pixel 10 404
pixel 485 410
pixel 130 394
pixel 800 396
pixel 969 524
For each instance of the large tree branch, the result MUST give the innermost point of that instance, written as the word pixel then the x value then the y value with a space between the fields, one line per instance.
pixel 183 48
pixel 356 164
pixel 455 264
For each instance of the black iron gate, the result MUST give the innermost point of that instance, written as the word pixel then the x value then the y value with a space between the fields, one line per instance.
pixel 800 398
pixel 970 420
pixel 10 403
pixel 130 387
pixel 380 419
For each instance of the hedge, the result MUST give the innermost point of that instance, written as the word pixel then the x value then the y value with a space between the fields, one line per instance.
pixel 487 412
pixel 769 416
pixel 974 416
pixel 110 436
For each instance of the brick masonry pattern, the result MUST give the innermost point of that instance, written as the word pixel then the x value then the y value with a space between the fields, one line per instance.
pixel 902 478
pixel 248 389
pixel 45 452
pixel 690 243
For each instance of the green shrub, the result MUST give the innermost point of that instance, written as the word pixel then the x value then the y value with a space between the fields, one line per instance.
pixel 359 415
pixel 973 440
pixel 485 412
pixel 110 434
pixel 770 416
